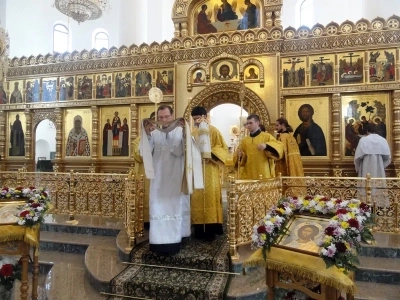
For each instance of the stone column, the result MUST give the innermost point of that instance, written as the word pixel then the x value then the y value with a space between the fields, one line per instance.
pixel 184 31
pixel 59 133
pixel 335 143
pixel 95 131
pixel 28 135
pixel 268 19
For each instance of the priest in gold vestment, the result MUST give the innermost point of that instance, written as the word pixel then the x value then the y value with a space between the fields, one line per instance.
pixel 206 205
pixel 257 153
pixel 291 164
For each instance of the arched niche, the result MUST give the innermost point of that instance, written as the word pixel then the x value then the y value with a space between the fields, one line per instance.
pixel 220 93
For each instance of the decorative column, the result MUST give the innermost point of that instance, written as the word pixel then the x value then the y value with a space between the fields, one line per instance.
pixel 59 134
pixel 184 31
pixel 134 126
pixel 95 131
pixel 336 103
pixel 28 135
pixel 396 131
pixel 3 130
pixel 278 20
pixel 268 19
pixel 177 32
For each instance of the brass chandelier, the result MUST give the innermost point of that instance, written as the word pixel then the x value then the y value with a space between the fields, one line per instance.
pixel 82 10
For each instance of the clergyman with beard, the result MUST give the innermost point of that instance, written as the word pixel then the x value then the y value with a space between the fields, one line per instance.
pixel 308 134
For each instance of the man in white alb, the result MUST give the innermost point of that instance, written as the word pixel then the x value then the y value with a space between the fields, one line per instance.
pixel 373 156
pixel 164 160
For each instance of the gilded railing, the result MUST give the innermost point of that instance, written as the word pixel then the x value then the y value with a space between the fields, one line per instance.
pixel 92 194
pixel 249 200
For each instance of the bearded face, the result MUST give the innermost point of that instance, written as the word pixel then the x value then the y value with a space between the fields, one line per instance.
pixel 305 114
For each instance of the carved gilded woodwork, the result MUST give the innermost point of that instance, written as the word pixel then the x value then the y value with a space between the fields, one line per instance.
pixel 211 96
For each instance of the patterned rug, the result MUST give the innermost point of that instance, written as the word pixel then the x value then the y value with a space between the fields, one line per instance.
pixel 176 284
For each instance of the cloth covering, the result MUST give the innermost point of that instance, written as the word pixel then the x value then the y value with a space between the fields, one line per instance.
pixel 300 264
pixel 29 235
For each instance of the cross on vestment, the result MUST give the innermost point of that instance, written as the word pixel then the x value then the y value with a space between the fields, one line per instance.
pixel 189 168
pixel 203 142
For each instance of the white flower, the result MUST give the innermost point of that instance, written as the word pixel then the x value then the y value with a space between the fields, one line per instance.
pixel 344 203
pixel 288 211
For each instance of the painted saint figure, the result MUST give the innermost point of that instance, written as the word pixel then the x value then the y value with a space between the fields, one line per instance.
pixel 306 239
pixel 107 136
pixel 3 95
pixel 252 74
pixel 17 138
pixel 225 12
pixel 16 95
pixel 78 140
pixel 203 23
pixel 309 135
pixel 198 78
pixel 124 132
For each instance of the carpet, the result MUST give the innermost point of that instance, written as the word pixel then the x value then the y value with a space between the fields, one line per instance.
pixel 160 283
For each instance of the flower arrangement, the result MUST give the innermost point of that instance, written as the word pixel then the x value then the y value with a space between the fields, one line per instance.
pixel 349 225
pixel 36 207
pixel 10 269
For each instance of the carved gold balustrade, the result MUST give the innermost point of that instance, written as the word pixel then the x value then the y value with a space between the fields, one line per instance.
pixel 249 200
pixel 90 194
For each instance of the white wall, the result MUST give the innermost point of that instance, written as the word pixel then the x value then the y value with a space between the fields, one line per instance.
pixel 3 10
pixel 326 11
pixel 224 116
pixel 45 139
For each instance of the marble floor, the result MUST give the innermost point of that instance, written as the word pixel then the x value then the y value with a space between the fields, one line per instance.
pixel 67 276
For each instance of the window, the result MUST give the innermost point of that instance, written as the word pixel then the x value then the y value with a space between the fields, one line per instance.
pixel 101 40
pixel 306 13
pixel 60 38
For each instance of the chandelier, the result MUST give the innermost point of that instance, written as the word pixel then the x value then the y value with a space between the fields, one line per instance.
pixel 82 10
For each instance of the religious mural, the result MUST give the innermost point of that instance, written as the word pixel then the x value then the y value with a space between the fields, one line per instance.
pixel 49 87
pixel 382 65
pixel 3 94
pixel 306 233
pixel 351 67
pixel 294 72
pixel 309 119
pixel 85 85
pixel 67 85
pixel 226 15
pixel 115 131
pixel 16 91
pixel 225 70
pixel 321 70
pixel 17 129
pixel 123 84
pixel 165 81
pixel 143 83
pixel 78 132
pixel 357 112
pixel 251 72
pixel 32 88
pixel 103 84
pixel 146 112
pixel 199 76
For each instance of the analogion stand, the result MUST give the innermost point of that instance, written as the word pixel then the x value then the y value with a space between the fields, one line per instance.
pixel 17 240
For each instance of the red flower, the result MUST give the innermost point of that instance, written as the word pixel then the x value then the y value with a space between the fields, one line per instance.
pixel 294 198
pixel 338 201
pixel 45 194
pixel 24 213
pixel 340 247
pixel 308 197
pixel 34 205
pixel 329 230
pixel 341 211
pixel 261 229
pixel 364 206
pixel 32 188
pixel 353 223
pixel 7 270
pixel 5 189
pixel 20 188
pixel 324 199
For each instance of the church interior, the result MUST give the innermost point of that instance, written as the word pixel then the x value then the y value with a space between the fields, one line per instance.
pixel 77 77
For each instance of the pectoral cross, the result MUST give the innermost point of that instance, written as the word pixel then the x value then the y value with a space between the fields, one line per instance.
pixel 203 143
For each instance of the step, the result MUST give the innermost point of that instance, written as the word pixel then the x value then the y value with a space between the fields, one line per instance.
pixel 102 264
pixel 376 291
pixel 70 242
pixel 379 270
pixel 385 245
pixel 251 286
pixel 92 225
